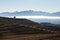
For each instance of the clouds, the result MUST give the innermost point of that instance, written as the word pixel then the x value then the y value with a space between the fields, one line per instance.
pixel 38 17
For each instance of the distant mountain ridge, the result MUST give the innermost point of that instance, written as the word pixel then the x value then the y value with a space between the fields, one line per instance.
pixel 53 21
pixel 29 13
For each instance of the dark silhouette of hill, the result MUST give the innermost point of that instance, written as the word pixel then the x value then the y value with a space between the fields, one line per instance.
pixel 23 26
pixel 14 25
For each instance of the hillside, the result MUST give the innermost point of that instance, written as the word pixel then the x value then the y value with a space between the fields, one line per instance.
pixel 24 29
pixel 22 26
pixel 12 25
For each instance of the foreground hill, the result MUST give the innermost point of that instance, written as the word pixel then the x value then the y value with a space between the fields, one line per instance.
pixel 22 26
pixel 12 25
pixel 24 29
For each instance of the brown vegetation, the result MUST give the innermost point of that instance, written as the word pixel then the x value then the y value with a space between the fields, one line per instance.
pixel 32 37
pixel 24 29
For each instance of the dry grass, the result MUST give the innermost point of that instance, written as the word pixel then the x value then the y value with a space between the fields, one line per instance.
pixel 32 37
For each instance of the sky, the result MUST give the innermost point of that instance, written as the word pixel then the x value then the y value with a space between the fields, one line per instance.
pixel 37 5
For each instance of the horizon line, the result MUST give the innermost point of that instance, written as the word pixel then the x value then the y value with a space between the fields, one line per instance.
pixel 28 10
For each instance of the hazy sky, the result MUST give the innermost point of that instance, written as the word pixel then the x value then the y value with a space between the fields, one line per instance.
pixel 39 5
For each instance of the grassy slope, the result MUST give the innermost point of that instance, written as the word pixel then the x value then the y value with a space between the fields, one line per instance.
pixel 8 24
pixel 32 37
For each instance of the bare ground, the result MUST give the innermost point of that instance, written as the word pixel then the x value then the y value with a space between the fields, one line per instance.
pixel 31 37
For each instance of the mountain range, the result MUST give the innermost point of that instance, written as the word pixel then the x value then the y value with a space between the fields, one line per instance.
pixel 34 13
pixel 29 13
